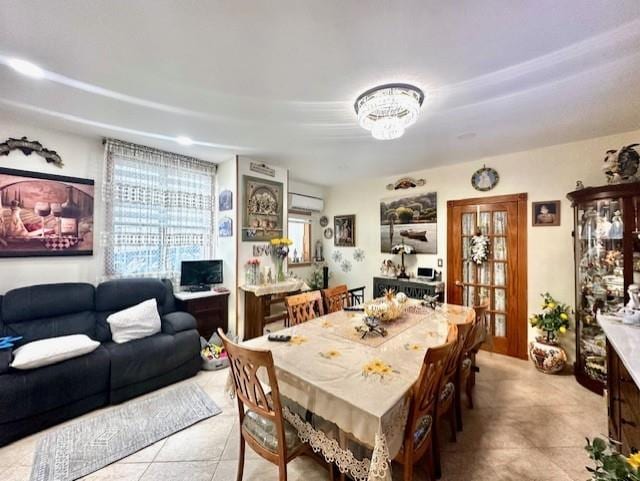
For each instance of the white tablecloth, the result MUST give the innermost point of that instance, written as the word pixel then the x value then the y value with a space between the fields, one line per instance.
pixel 359 386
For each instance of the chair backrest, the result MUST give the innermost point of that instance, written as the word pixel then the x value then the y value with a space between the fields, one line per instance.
pixel 461 334
pixel 303 307
pixel 336 298
pixel 245 363
pixel 481 331
pixel 426 390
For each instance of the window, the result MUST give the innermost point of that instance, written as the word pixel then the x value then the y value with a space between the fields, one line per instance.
pixel 159 211
pixel 299 229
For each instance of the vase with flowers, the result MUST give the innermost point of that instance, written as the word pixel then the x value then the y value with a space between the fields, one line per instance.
pixel 547 354
pixel 280 251
pixel 610 465
pixel 252 274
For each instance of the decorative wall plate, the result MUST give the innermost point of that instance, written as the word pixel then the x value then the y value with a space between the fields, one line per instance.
pixel 485 179
pixel 328 233
pixel 406 183
pixel 324 221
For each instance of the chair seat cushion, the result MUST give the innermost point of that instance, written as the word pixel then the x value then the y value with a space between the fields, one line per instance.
pixel 263 431
pixel 27 393
pixel 422 430
pixel 142 359
pixel 447 391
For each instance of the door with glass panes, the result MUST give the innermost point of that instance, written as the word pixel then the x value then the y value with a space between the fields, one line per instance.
pixel 499 280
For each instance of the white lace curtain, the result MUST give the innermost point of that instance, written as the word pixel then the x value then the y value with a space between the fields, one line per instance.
pixel 159 211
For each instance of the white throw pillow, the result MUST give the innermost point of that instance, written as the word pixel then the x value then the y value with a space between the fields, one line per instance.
pixel 141 320
pixel 50 351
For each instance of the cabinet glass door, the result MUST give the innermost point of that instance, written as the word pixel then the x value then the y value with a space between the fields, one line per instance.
pixel 600 277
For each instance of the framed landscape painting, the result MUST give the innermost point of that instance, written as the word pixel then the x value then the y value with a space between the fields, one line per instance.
pixel 412 220
pixel 45 215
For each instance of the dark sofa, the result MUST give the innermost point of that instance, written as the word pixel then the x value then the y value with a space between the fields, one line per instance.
pixel 34 399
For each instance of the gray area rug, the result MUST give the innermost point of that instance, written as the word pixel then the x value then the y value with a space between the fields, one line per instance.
pixel 87 445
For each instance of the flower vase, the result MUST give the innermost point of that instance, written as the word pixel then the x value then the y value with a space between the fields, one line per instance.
pixel 547 355
pixel 280 269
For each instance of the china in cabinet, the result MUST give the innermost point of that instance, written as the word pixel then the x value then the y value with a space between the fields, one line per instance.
pixel 607 259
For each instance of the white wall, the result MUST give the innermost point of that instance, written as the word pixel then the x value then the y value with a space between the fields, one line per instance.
pixel 82 157
pixel 544 174
pixel 226 247
pixel 245 249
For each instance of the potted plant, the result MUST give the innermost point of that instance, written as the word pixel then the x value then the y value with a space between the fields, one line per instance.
pixel 611 465
pixel 547 354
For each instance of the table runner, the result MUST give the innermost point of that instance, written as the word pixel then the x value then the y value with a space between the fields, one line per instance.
pixel 358 391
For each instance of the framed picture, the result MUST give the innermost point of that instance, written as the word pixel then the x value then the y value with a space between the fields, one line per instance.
pixel 45 215
pixel 344 230
pixel 225 202
pixel 262 213
pixel 485 179
pixel 545 213
pixel 225 227
pixel 411 219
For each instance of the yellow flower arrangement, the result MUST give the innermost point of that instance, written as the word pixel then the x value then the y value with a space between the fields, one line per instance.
pixel 634 460
pixel 281 241
pixel 331 354
pixel 297 340
pixel 377 367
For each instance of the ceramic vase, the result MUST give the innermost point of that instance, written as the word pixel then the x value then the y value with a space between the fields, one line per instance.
pixel 547 356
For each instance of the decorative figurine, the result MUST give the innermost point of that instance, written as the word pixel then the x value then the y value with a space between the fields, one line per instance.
pixel 621 165
pixel 603 227
pixel 318 251
pixel 579 185
pixel 589 223
pixel 617 226
pixel 269 276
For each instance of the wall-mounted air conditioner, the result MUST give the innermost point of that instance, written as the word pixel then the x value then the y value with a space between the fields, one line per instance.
pixel 305 203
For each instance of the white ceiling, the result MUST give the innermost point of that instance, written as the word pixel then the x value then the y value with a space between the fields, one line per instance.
pixel 276 80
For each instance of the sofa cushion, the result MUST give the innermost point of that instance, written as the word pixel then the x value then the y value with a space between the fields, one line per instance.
pixel 51 351
pixel 152 356
pixel 27 393
pixel 119 294
pixel 135 322
pixel 49 310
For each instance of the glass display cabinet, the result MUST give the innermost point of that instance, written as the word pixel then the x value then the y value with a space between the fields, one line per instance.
pixel 607 259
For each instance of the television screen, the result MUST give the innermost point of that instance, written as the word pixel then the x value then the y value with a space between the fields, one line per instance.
pixel 198 273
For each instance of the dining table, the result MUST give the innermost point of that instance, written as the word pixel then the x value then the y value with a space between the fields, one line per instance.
pixel 348 394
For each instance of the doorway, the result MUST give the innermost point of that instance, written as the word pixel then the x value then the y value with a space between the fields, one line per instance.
pixel 501 279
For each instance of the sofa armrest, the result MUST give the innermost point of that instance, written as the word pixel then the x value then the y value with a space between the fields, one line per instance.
pixel 6 356
pixel 178 321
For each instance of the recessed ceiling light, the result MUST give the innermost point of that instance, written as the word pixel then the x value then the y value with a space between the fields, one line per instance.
pixel 182 140
pixel 26 68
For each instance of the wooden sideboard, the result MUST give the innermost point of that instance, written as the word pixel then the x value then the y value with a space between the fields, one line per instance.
pixel 412 288
pixel 210 308
pixel 624 403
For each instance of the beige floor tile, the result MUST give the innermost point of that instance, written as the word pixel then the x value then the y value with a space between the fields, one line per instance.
pixel 146 455
pixel 180 471
pixel 121 472
pixel 19 453
pixel 15 473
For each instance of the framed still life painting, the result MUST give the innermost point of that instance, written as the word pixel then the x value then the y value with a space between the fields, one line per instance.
pixel 262 210
pixel 45 215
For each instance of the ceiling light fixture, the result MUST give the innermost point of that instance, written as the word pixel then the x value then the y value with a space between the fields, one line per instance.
pixel 25 68
pixel 389 109
pixel 182 140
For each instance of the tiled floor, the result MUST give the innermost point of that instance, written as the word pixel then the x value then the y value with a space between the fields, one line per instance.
pixel 526 427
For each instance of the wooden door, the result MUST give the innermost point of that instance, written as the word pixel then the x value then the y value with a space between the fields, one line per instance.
pixel 501 280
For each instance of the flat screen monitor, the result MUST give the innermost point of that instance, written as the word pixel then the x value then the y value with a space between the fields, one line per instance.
pixel 201 273
pixel 426 272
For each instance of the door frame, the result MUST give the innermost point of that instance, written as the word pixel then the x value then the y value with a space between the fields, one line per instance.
pixel 521 333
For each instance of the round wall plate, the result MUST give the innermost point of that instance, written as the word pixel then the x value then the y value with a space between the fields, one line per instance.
pixel 328 233
pixel 485 179
pixel 324 221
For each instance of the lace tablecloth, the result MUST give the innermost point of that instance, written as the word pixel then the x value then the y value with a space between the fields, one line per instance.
pixel 349 396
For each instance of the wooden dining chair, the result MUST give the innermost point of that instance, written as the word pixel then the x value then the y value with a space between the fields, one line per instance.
pixel 481 335
pixel 336 298
pixel 303 307
pixel 446 399
pixel 418 435
pixel 262 426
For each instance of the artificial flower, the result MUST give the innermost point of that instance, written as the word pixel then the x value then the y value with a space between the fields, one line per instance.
pixel 562 329
pixel 564 316
pixel 634 460
pixel 297 340
pixel 331 354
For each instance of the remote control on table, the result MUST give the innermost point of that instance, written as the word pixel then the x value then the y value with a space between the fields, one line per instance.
pixel 279 337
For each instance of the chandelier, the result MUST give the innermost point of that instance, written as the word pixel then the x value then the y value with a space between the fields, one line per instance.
pixel 389 109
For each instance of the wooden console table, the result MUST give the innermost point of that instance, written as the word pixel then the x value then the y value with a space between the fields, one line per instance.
pixel 414 289
pixel 210 308
pixel 258 301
